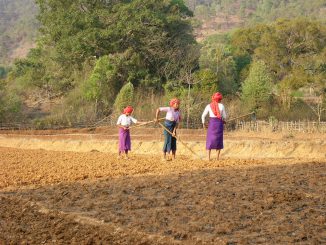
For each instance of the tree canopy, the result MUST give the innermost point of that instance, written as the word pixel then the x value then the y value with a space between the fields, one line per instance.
pixel 88 50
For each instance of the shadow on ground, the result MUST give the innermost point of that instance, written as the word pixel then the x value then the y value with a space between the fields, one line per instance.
pixel 274 204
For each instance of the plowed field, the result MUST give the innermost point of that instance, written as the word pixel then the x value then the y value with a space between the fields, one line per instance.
pixel 66 197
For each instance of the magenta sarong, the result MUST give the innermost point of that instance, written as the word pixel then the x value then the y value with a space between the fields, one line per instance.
pixel 124 140
pixel 214 138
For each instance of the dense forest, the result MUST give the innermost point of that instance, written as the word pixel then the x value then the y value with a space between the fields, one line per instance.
pixel 93 57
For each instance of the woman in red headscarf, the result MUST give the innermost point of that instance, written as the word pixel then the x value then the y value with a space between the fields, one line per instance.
pixel 124 122
pixel 172 120
pixel 217 117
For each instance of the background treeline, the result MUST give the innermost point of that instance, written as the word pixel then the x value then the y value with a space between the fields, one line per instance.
pixel 258 10
pixel 93 58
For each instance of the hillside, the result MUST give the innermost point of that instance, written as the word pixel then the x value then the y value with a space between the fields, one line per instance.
pixel 18 29
pixel 218 16
pixel 18 24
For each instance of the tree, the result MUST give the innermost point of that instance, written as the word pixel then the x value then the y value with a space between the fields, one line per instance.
pixel 289 84
pixel 319 108
pixel 289 43
pixel 206 83
pixel 124 98
pixel 10 103
pixel 103 83
pixel 156 31
pixel 219 58
pixel 294 51
pixel 256 89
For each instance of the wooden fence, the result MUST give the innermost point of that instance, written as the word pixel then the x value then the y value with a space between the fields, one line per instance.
pixel 238 125
pixel 293 126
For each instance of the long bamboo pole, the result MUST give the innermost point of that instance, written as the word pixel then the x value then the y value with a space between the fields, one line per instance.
pixel 240 116
pixel 184 144
pixel 146 123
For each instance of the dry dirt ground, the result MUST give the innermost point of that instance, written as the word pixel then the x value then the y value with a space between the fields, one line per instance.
pixel 62 197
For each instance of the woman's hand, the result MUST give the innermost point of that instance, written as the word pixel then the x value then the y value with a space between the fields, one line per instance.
pixel 157 115
pixel 174 133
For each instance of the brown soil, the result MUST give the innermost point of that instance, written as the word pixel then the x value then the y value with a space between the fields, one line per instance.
pixel 62 197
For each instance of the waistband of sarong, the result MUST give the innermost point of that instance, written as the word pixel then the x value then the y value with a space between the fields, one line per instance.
pixel 121 129
pixel 215 118
pixel 170 122
pixel 167 120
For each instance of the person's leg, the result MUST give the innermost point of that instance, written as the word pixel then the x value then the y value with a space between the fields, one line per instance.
pixel 173 147
pixel 126 154
pixel 169 156
pixel 218 154
pixel 121 142
pixel 164 155
pixel 209 155
pixel 127 146
pixel 166 145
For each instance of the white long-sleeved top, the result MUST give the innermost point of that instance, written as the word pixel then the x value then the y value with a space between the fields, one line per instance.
pixel 208 110
pixel 125 120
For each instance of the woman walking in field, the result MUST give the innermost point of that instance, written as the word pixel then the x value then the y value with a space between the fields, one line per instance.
pixel 217 117
pixel 172 120
pixel 124 122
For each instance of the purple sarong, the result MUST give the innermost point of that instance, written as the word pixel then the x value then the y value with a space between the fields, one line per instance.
pixel 124 140
pixel 214 138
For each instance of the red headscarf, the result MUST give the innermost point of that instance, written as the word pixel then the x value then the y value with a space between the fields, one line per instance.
pixel 216 98
pixel 174 101
pixel 128 109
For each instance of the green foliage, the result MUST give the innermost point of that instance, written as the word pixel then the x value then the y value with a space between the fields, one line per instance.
pixel 247 40
pixel 294 51
pixel 218 57
pixel 206 83
pixel 87 50
pixel 105 81
pixel 174 88
pixel 289 85
pixel 124 98
pixel 256 89
pixel 94 87
pixel 29 72
pixel 82 29
pixel 10 104
pixel 289 44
